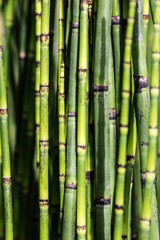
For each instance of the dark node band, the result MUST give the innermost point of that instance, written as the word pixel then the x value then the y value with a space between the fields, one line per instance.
pixel 61 50
pixel 81 146
pixel 38 14
pixel 44 202
pixel 4 111
pixel 75 25
pixel 121 166
pixel 89 175
pixel 125 62
pixel 62 175
pixel 38 63
pixel 146 220
pixel 140 82
pixel 61 116
pixel 124 236
pixel 82 70
pixel 71 186
pixel 7 180
pixel 43 143
pixel 44 88
pixel 112 113
pixel 62 95
pixel 150 127
pixel 126 91
pixel 145 16
pixel 1 49
pixel 144 144
pixel 81 227
pixel 61 20
pixel 72 114
pixel 62 144
pixel 100 88
pixel 124 126
pixel 44 37
pixel 118 207
pixel 102 201
pixel 148 171
pixel 37 165
pixel 38 37
pixel 116 20
pixel 130 157
pixel 37 93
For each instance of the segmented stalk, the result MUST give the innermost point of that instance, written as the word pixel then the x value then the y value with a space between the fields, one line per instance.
pixel 112 125
pixel 136 197
pixel 124 121
pixel 54 130
pixel 141 86
pixel 131 152
pixel 117 51
pixel 90 152
pixel 101 118
pixel 71 180
pixel 62 137
pixel 5 153
pixel 44 138
pixel 61 108
pixel 81 125
pixel 145 223
pixel 145 21
pixel 37 80
pixel 1 199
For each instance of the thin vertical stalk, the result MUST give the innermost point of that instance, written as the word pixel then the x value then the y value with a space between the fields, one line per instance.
pixel 141 86
pixel 61 108
pixel 44 138
pixel 145 22
pixel 37 79
pixel 101 118
pixel 112 125
pixel 54 111
pixel 124 121
pixel 90 152
pixel 1 199
pixel 154 221
pixel 81 125
pixel 62 139
pixel 136 197
pixel 145 224
pixel 5 153
pixel 71 178
pixel 158 164
pixel 131 152
pixel 117 51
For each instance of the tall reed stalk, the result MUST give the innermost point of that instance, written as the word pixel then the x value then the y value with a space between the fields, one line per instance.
pixel 6 169
pixel 44 134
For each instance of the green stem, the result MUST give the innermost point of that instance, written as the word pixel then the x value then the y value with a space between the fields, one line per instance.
pixel 5 154
pixel 145 223
pixel 124 121
pixel 81 125
pixel 44 138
